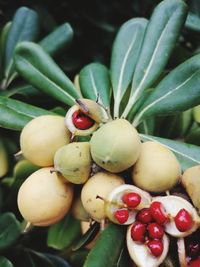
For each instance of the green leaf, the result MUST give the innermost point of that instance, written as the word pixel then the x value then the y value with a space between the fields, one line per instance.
pixel 107 248
pixel 187 154
pixel 125 52
pixel 95 83
pixel 3 39
pixel 77 258
pixel 57 261
pixel 25 26
pixel 23 169
pixel 178 91
pixel 62 234
pixel 87 237
pixel 30 258
pixel 10 230
pixel 15 114
pixel 193 22
pixel 39 69
pixel 160 38
pixel 24 90
pixel 57 40
pixel 5 262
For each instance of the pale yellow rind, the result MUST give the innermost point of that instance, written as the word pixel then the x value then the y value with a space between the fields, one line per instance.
pixel 157 169
pixel 44 198
pixel 191 182
pixel 42 137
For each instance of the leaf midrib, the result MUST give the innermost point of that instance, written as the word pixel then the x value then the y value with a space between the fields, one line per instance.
pixel 163 97
pixel 45 77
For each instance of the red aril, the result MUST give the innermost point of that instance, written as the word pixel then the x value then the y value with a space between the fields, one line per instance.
pixel 158 212
pixel 82 121
pixel 144 216
pixel 155 231
pixel 138 230
pixel 121 215
pixel 156 247
pixel 194 263
pixel 183 220
pixel 131 199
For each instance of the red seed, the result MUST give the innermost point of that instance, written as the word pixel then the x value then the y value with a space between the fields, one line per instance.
pixel 144 216
pixel 155 231
pixel 195 263
pixel 138 230
pixel 183 220
pixel 158 212
pixel 156 247
pixel 131 199
pixel 121 215
pixel 81 120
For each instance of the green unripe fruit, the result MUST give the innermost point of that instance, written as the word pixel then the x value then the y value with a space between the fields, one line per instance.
pixel 74 162
pixel 42 137
pixel 115 146
pixel 157 168
pixel 44 198
pixel 101 184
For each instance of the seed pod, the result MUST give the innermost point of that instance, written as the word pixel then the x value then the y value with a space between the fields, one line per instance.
pixel 95 111
pixel 74 162
pixel 101 184
pixel 115 146
pixel 44 198
pixel 73 128
pixel 42 137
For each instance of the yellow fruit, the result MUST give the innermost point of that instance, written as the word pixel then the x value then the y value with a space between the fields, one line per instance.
pixel 42 137
pixel 44 198
pixel 115 146
pixel 101 184
pixel 157 168
pixel 191 182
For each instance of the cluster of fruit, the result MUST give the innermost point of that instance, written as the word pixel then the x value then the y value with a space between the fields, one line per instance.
pixel 115 146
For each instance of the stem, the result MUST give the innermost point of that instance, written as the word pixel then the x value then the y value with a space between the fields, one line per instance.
pixel 18 154
pixel 116 108
pixel 28 227
pixel 102 225
pixel 112 202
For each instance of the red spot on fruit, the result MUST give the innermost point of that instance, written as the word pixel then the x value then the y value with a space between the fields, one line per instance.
pixel 82 121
